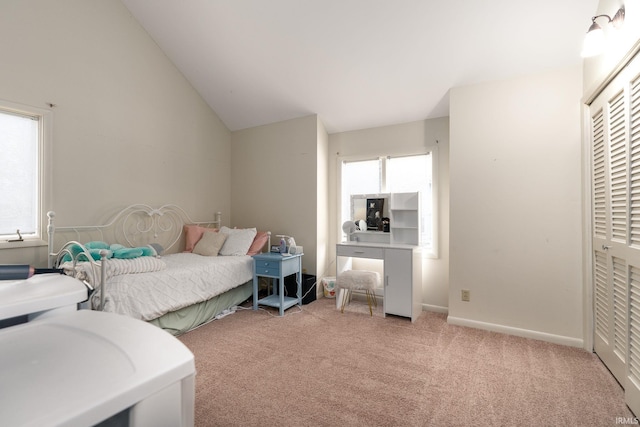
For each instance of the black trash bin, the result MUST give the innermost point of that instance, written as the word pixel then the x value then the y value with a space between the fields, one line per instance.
pixel 309 287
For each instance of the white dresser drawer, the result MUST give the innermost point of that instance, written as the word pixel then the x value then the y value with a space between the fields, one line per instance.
pixel 360 251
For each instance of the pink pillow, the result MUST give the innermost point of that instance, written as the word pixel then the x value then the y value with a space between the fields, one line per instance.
pixel 193 234
pixel 258 242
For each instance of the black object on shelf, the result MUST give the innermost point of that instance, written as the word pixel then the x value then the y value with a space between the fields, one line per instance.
pixel 308 282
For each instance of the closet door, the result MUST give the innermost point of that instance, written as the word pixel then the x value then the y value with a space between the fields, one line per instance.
pixel 632 385
pixel 615 156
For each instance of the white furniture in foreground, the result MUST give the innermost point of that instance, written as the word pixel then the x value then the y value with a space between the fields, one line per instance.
pixel 40 296
pixel 402 278
pixel 88 367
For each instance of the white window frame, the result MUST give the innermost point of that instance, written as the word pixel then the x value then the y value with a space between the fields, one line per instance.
pixel 45 122
pixel 427 252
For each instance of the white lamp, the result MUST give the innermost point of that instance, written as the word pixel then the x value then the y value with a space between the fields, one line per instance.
pixel 594 41
pixel 349 227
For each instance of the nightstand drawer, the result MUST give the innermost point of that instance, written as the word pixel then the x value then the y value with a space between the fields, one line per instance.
pixel 266 268
pixel 360 251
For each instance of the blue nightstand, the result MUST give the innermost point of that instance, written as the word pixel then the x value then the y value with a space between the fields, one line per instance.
pixel 277 266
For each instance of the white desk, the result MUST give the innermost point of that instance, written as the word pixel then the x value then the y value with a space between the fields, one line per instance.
pixel 402 277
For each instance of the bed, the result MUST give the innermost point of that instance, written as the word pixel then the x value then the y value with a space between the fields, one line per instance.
pixel 159 266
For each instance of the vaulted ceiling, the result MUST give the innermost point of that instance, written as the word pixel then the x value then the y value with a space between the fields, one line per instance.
pixel 356 63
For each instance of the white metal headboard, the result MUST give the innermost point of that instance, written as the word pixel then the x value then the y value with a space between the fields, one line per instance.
pixel 135 225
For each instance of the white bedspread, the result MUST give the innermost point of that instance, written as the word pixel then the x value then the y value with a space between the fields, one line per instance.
pixel 187 279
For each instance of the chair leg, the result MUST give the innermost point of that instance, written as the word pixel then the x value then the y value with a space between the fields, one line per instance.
pixel 369 301
pixel 345 297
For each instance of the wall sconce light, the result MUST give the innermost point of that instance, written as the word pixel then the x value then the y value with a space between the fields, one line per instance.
pixel 594 42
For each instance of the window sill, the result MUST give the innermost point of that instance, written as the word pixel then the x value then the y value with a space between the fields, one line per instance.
pixel 30 243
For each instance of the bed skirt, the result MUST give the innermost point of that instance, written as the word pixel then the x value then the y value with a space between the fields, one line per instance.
pixel 180 321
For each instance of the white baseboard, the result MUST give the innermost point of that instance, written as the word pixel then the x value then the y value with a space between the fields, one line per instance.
pixel 525 333
pixel 435 308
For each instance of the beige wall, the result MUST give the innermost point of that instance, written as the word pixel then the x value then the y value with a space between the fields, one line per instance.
pixel 275 185
pixel 515 164
pixel 127 127
pixel 406 138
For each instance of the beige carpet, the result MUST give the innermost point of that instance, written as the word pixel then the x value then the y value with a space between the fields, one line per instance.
pixel 318 367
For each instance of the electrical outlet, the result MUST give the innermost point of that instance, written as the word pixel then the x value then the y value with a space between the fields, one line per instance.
pixel 465 295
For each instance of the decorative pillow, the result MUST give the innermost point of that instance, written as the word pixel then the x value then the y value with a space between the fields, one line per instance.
pixel 127 253
pixel 97 245
pixel 75 251
pixel 193 233
pixel 210 243
pixel 115 250
pixel 238 240
pixel 95 254
pixel 152 249
pixel 148 251
pixel 258 243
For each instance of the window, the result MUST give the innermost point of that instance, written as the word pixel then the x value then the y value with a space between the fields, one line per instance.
pixel 393 175
pixel 22 142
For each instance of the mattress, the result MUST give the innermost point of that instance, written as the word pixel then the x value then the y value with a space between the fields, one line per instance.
pixel 187 279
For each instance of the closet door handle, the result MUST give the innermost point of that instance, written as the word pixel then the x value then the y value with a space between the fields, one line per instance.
pixel 386 280
pixel 605 247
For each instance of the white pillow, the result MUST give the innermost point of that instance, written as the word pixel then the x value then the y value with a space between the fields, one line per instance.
pixel 238 241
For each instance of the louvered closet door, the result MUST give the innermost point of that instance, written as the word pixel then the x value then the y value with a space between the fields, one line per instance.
pixel 615 155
